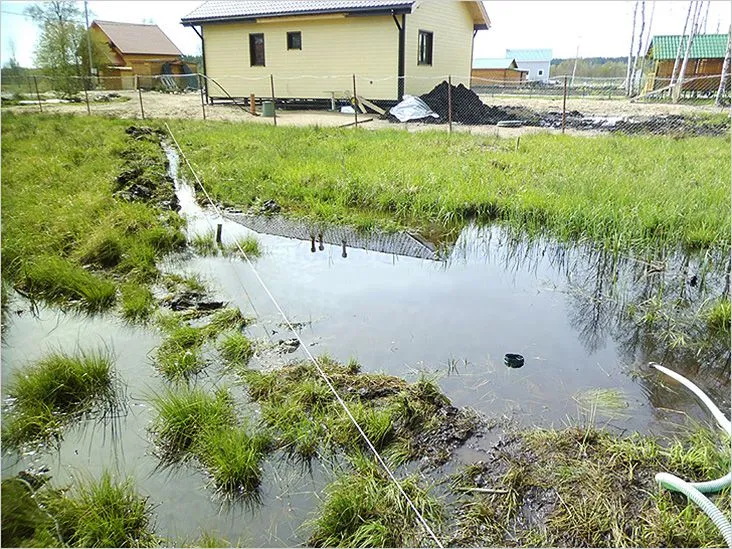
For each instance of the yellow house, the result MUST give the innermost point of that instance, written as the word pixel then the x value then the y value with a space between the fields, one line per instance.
pixel 312 48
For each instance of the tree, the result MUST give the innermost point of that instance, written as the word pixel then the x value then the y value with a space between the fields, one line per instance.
pixel 725 71
pixel 628 88
pixel 57 51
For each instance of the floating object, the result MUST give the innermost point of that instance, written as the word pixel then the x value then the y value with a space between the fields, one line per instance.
pixel 513 361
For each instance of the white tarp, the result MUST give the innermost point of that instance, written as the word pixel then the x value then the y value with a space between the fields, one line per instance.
pixel 412 108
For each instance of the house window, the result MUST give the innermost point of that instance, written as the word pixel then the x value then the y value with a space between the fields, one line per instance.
pixel 540 72
pixel 424 48
pixel 256 50
pixel 294 40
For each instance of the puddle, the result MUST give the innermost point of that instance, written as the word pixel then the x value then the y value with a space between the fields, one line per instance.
pixel 453 318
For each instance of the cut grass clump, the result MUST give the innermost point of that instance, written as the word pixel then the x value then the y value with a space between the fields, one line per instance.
pixel 366 509
pixel 406 421
pixel 94 513
pixel 236 349
pixel 48 394
pixel 193 423
pixel 205 244
pixel 249 245
pixel 138 303
pixel 586 487
pixel 67 239
pixel 611 403
pixel 226 319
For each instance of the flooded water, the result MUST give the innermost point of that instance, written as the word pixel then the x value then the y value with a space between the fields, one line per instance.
pixel 562 308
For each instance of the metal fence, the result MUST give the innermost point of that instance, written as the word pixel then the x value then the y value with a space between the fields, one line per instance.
pixel 453 102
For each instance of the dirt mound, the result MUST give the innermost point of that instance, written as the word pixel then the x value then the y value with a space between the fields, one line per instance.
pixel 467 108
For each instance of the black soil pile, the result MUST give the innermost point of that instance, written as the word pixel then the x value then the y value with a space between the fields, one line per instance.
pixel 467 108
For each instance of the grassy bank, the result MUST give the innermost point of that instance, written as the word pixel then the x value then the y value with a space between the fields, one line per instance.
pixel 625 192
pixel 86 211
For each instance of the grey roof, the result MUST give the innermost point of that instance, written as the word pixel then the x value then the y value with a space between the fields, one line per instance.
pixel 134 38
pixel 530 55
pixel 223 10
pixel 495 63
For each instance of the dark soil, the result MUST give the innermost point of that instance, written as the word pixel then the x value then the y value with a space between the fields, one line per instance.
pixel 144 176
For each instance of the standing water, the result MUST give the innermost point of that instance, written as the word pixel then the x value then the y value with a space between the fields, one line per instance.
pixel 563 308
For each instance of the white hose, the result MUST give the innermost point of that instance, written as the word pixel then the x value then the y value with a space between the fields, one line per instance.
pixel 693 490
pixel 672 482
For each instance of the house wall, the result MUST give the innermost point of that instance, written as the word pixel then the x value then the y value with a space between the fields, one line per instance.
pixel 480 76
pixel 333 49
pixel 696 69
pixel 452 25
pixel 534 67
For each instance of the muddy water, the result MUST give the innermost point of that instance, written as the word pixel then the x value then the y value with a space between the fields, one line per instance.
pixel 454 319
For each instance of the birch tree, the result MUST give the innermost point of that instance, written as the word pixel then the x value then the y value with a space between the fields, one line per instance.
pixel 676 92
pixel 630 53
pixel 634 69
pixel 725 71
pixel 679 49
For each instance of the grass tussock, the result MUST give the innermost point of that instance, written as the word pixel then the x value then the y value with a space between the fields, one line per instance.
pixel 399 418
pixel 585 487
pixel 365 509
pixel 236 349
pixel 624 192
pixel 69 236
pixel 48 394
pixel 205 244
pixel 94 513
pixel 192 423
pixel 718 318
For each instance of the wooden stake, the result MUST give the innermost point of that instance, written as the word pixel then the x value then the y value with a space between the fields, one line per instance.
pixel 203 102
pixel 86 97
pixel 355 111
pixel 564 105
pixel 449 103
pixel 38 95
pixel 274 100
pixel 252 104
pixel 219 227
pixel 139 94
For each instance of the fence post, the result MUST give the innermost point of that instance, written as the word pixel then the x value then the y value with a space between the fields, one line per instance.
pixel 139 94
pixel 564 105
pixel 274 99
pixel 355 107
pixel 38 95
pixel 203 102
pixel 86 96
pixel 449 103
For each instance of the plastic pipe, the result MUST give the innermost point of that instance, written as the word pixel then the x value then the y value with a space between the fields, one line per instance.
pixel 672 482
pixel 723 422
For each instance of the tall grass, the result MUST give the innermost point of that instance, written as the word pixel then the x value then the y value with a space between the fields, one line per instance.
pixel 66 238
pixel 100 512
pixel 48 394
pixel 622 191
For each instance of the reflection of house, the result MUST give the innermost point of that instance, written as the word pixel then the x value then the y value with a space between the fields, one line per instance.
pixel 537 62
pixel 313 47
pixel 490 72
pixel 135 50
pixel 703 68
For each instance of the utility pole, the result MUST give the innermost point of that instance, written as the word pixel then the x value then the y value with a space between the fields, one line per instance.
pixel 88 39
pixel 630 53
pixel 725 71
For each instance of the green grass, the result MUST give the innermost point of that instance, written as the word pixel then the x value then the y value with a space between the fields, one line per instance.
pixel 93 513
pixel 365 509
pixel 626 192
pixel 611 403
pixel 236 349
pixel 179 355
pixel 587 487
pixel 138 303
pixel 718 317
pixel 66 237
pixel 205 244
pixel 192 423
pixel 49 393
pixel 249 245
pixel 306 420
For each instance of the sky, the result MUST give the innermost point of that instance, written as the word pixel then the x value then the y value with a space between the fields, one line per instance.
pixel 596 28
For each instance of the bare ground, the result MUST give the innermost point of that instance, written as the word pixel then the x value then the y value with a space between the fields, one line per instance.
pixel 188 106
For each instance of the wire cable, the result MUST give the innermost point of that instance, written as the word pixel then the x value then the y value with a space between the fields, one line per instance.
pixel 320 370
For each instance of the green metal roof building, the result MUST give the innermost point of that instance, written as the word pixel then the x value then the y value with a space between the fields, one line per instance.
pixel 704 46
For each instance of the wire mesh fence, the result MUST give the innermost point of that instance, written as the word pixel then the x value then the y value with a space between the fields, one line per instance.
pixel 449 102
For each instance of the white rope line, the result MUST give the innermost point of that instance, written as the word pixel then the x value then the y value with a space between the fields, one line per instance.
pixel 322 373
